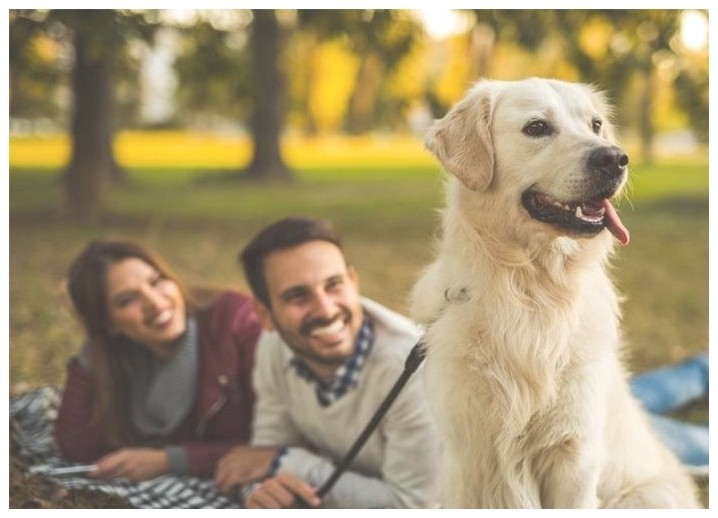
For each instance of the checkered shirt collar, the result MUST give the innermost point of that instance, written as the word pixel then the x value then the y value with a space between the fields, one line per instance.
pixel 328 391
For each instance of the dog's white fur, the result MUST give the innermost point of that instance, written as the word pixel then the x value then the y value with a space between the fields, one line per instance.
pixel 522 322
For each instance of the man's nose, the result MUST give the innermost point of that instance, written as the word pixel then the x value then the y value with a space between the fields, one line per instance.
pixel 324 305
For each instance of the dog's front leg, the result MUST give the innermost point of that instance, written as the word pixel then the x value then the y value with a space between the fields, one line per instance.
pixel 570 468
pixel 572 480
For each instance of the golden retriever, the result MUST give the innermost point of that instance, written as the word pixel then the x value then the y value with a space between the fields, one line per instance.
pixel 522 334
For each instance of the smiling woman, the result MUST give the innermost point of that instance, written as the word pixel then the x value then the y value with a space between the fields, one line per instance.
pixel 145 306
pixel 162 383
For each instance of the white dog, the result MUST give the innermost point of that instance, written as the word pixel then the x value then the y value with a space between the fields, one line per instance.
pixel 522 323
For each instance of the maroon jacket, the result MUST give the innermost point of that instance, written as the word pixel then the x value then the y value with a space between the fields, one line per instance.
pixel 221 417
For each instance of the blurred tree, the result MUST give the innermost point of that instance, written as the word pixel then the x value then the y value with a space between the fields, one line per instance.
pixel 692 91
pixel 454 74
pixel 92 158
pixel 213 66
pixel 208 65
pixel 33 69
pixel 269 99
pixel 633 42
pixel 380 38
pixel 99 39
pixel 233 63
pixel 609 48
pixel 321 79
pixel 221 72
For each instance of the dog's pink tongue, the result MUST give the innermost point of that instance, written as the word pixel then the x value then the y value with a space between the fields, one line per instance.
pixel 614 224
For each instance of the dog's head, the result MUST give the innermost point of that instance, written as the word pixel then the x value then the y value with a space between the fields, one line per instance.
pixel 542 147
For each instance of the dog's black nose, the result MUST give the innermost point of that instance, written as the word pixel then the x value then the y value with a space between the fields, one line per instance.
pixel 610 161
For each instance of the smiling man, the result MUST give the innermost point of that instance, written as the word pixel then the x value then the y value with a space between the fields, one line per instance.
pixel 325 363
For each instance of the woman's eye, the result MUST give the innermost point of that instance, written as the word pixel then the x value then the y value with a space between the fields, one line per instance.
pixel 538 128
pixel 124 301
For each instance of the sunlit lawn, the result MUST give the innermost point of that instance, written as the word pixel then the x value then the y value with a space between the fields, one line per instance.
pixel 174 150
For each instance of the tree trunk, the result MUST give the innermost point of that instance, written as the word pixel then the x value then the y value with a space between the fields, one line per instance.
pixel 310 122
pixel 267 118
pixel 361 104
pixel 645 115
pixel 92 161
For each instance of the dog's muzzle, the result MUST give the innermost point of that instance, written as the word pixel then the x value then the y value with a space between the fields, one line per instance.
pixel 607 167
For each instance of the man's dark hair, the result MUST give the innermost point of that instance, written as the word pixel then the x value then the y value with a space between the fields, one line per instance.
pixel 285 233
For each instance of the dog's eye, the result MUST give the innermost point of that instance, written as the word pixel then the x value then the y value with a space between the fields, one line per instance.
pixel 537 128
pixel 596 125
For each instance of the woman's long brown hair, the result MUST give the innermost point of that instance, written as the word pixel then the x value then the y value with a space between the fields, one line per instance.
pixel 87 286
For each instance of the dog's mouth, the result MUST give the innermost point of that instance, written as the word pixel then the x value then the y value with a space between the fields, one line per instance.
pixel 586 217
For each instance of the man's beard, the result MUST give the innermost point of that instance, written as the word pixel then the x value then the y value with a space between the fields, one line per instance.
pixel 305 331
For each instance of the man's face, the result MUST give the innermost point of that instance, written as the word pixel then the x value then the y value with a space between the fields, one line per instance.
pixel 315 304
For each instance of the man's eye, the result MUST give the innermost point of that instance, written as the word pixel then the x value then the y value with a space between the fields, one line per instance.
pixel 537 128
pixel 333 285
pixel 294 298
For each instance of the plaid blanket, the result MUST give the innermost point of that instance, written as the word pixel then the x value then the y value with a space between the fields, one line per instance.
pixel 31 424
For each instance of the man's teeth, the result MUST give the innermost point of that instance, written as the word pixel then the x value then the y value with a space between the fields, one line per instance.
pixel 332 329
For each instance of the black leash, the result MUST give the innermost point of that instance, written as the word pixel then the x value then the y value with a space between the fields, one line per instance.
pixel 416 356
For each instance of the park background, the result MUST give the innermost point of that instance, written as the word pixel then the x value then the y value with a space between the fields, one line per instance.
pixel 190 130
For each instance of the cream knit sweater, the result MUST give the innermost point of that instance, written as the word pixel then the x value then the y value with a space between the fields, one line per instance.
pixel 397 467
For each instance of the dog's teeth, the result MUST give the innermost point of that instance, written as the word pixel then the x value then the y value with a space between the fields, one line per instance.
pixel 591 217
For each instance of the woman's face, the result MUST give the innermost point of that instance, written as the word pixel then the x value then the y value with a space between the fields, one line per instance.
pixel 144 306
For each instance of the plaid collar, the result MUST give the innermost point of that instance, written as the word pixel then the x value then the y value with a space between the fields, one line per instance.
pixel 346 377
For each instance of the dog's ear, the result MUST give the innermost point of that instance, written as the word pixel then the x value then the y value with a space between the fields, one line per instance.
pixel 462 139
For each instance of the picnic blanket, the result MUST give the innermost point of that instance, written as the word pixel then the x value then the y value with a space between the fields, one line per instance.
pixel 32 415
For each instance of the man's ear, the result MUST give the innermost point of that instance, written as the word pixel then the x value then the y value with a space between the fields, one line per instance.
pixel 353 275
pixel 265 316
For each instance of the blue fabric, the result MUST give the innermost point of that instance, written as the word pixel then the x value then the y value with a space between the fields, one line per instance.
pixel 688 441
pixel 669 388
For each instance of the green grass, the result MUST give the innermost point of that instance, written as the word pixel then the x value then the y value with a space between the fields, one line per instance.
pixel 388 218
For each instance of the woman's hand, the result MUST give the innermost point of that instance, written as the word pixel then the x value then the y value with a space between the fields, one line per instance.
pixel 135 464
